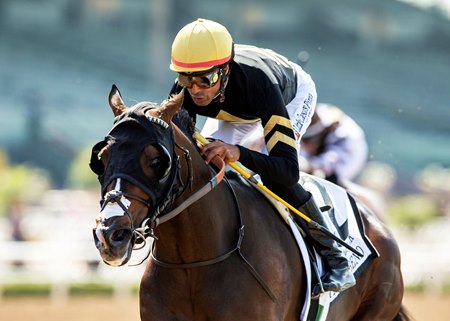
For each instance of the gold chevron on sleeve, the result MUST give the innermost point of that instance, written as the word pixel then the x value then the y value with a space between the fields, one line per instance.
pixel 276 120
pixel 280 137
pixel 223 115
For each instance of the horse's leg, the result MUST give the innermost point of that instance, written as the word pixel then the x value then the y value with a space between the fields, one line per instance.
pixel 384 279
pixel 153 292
pixel 226 291
pixel 385 302
pixel 402 315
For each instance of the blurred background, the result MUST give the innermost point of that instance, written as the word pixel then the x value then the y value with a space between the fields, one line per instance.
pixel 386 63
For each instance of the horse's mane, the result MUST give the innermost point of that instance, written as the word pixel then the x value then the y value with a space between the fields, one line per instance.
pixel 185 123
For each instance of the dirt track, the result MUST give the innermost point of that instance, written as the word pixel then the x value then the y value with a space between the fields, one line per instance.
pixel 422 307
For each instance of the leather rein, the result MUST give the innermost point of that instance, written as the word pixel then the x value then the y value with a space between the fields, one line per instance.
pixel 219 163
pixel 151 222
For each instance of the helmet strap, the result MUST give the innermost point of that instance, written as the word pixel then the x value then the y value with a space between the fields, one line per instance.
pixel 223 82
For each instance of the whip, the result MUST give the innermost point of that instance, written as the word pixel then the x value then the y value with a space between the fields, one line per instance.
pixel 313 224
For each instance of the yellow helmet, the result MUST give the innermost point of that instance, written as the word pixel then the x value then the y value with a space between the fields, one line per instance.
pixel 201 45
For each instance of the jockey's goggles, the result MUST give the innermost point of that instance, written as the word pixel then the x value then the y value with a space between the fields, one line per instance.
pixel 201 79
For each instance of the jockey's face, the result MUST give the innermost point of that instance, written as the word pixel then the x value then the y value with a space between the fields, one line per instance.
pixel 203 87
pixel 203 96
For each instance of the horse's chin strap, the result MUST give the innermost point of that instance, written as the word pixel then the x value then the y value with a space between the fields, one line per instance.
pixel 115 196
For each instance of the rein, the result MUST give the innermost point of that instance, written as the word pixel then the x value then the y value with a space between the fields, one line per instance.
pixel 223 257
pixel 210 261
pixel 149 224
pixel 220 164
pixel 152 223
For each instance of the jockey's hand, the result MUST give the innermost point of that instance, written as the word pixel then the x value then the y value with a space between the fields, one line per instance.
pixel 229 153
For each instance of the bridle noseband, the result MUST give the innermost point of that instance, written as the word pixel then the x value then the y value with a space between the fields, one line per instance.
pixel 160 210
pixel 159 213
pixel 115 196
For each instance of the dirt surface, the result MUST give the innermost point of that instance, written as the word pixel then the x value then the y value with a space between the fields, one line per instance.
pixel 422 308
pixel 76 309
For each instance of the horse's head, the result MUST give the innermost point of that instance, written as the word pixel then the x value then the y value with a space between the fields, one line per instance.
pixel 138 170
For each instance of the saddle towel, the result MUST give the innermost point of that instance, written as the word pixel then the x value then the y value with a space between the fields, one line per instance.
pixel 346 220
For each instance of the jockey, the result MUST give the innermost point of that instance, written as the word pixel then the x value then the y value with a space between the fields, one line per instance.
pixel 249 92
pixel 334 146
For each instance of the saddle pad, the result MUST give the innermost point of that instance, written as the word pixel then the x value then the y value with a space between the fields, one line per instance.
pixel 345 220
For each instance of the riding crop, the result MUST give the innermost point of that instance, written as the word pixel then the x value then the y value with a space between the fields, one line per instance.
pixel 313 224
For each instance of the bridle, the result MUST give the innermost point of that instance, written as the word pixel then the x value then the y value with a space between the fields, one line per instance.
pixel 161 215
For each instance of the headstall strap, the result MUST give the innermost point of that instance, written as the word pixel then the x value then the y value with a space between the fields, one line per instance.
pixel 188 158
pixel 213 182
pixel 176 189
pixel 159 215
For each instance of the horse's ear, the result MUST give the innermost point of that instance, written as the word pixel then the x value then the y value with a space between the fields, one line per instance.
pixel 115 101
pixel 171 106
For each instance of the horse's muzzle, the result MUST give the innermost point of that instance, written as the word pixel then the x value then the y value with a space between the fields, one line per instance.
pixel 114 243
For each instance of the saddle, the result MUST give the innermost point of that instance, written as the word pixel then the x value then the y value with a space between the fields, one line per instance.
pixel 347 224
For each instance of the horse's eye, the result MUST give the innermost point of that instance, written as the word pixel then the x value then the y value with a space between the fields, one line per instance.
pixel 155 163
pixel 160 167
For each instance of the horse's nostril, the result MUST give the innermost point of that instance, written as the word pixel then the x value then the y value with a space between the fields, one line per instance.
pixel 119 236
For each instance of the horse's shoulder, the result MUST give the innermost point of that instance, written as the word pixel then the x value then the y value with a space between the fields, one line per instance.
pixel 237 180
pixel 242 187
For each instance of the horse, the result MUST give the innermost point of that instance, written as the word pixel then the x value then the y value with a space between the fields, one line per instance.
pixel 220 251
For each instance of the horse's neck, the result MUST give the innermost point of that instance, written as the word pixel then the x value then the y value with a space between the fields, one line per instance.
pixel 207 228
pixel 200 171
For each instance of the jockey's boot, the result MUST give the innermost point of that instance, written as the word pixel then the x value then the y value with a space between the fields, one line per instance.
pixel 340 276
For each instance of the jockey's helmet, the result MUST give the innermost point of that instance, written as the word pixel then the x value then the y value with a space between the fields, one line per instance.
pixel 201 45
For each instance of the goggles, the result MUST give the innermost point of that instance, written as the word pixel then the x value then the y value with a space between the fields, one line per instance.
pixel 203 80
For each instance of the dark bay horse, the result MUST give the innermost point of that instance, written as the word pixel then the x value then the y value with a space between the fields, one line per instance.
pixel 220 250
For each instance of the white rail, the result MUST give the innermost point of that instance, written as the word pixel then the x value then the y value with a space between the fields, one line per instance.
pixel 61 265
pixel 425 258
